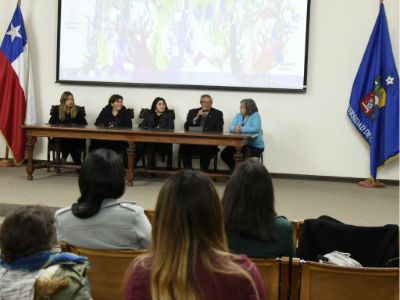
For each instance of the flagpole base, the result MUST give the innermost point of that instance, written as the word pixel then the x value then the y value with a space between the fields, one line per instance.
pixel 6 163
pixel 369 183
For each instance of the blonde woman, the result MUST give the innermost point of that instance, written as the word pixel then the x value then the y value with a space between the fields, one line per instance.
pixel 189 256
pixel 67 113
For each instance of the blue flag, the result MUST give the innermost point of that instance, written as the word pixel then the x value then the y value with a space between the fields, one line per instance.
pixel 374 100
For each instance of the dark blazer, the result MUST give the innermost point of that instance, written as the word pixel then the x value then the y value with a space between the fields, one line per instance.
pixel 214 120
pixel 166 121
pixel 106 118
pixel 78 120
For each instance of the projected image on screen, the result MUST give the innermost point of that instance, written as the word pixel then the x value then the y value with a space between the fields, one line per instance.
pixel 217 43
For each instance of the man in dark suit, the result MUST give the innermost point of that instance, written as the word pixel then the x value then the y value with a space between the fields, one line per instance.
pixel 210 119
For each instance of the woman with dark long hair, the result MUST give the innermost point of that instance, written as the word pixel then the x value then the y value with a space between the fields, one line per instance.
pixel 252 225
pixel 98 220
pixel 189 257
pixel 67 113
pixel 158 117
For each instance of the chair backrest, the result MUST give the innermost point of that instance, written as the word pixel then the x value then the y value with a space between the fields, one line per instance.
pixel 270 270
pixel 297 228
pixel 131 112
pixel 328 282
pixel 149 214
pixel 53 107
pixel 108 269
pixel 290 278
pixel 144 111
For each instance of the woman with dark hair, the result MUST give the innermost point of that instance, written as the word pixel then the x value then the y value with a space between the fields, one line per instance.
pixel 248 120
pixel 113 115
pixel 158 117
pixel 189 257
pixel 67 113
pixel 251 223
pixel 29 268
pixel 98 220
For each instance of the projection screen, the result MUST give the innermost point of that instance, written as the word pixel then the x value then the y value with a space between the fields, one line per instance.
pixel 221 44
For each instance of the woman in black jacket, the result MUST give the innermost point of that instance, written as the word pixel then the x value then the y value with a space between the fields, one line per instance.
pixel 67 113
pixel 158 117
pixel 113 115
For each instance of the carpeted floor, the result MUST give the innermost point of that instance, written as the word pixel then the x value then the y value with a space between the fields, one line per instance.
pixel 296 199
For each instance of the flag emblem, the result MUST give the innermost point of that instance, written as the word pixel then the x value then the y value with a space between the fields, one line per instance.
pixel 374 101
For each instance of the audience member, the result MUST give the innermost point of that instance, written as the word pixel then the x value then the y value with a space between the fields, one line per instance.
pixel 29 268
pixel 189 257
pixel 98 220
pixel 113 115
pixel 67 113
pixel 251 223
pixel 209 119
pixel 248 120
pixel 158 117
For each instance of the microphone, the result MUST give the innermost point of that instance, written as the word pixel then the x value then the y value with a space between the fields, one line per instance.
pixel 201 113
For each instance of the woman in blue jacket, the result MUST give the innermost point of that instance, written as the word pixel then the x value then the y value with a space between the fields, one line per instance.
pixel 247 121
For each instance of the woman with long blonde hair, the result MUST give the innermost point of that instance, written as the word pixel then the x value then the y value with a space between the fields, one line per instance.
pixel 189 257
pixel 67 113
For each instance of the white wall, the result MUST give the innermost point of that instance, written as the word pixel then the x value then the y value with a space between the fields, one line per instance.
pixel 304 133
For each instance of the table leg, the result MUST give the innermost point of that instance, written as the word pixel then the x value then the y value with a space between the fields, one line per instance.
pixel 29 145
pixel 238 156
pixel 130 151
pixel 58 155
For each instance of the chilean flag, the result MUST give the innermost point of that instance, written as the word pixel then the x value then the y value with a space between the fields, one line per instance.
pixel 17 99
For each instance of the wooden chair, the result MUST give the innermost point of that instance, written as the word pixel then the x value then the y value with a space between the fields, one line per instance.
pixel 142 114
pixel 108 270
pixel 270 272
pixel 149 214
pixel 297 227
pixel 290 278
pixel 328 282
pixel 300 226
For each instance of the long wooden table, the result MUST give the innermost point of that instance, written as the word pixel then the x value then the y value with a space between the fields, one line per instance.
pixel 131 136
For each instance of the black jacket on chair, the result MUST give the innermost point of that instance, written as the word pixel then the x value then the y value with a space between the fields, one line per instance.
pixel 214 120
pixel 370 246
